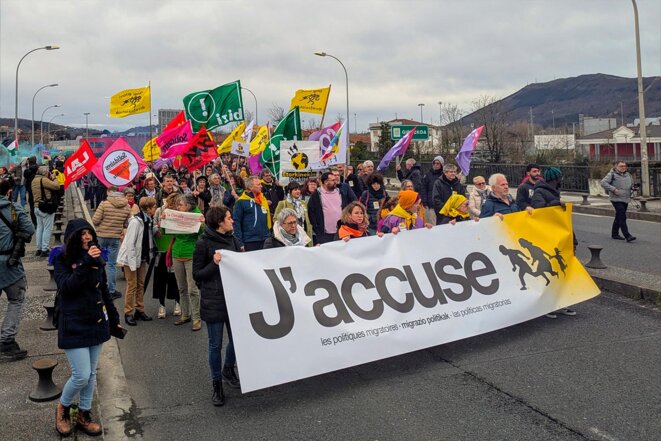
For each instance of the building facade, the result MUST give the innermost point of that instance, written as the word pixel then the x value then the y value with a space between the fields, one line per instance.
pixel 430 146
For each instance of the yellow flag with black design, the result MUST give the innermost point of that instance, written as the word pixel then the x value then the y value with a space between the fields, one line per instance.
pixel 226 145
pixel 260 141
pixel 311 100
pixel 151 151
pixel 130 102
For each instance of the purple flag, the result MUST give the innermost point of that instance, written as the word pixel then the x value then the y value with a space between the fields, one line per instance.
pixel 254 164
pixel 396 150
pixel 464 156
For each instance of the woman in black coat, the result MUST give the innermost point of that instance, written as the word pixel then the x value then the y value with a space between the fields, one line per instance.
pixel 218 235
pixel 87 319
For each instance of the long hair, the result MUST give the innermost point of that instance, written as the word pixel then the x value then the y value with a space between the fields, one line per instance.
pixel 346 214
pixel 72 249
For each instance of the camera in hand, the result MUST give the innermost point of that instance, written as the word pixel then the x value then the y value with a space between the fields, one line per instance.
pixel 18 251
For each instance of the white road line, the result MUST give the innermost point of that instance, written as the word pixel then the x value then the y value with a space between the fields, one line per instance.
pixel 604 435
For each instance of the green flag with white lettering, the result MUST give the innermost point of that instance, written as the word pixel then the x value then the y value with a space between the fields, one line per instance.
pixel 289 129
pixel 215 108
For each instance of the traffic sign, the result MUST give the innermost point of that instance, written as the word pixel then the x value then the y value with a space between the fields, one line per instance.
pixel 398 132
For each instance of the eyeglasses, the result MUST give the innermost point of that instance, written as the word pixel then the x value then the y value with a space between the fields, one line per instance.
pixel 480 183
pixel 290 223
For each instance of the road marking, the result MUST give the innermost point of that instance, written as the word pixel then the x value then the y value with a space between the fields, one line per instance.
pixel 604 435
pixel 611 217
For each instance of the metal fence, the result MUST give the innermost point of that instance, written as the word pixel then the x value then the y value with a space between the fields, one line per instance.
pixel 655 179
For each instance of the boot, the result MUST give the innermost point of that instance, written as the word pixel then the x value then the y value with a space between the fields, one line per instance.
pixel 11 351
pixel 84 422
pixel 229 377
pixel 63 419
pixel 218 397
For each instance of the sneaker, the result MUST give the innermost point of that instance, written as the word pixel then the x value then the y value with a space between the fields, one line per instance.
pixel 177 310
pixel 229 376
pixel 161 312
pixel 566 311
pixel 618 237
pixel 551 315
pixel 11 352
pixel 182 320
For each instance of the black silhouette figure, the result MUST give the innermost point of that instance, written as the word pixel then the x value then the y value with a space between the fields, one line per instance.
pixel 541 258
pixel 517 260
pixel 562 263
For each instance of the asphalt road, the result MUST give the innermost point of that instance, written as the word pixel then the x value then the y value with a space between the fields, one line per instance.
pixel 594 376
pixel 640 255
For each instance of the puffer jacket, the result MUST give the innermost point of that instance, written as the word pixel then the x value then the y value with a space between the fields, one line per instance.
pixel 110 216
pixel 87 311
pixel 620 181
pixel 207 276
pixel 544 196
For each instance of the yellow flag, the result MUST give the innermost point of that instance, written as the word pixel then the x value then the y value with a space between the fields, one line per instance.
pixel 151 151
pixel 130 102
pixel 311 100
pixel 260 141
pixel 226 146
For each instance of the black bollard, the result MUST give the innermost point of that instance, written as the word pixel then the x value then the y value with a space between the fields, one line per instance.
pixel 643 206
pixel 57 234
pixel 585 199
pixel 52 286
pixel 595 260
pixel 47 325
pixel 46 390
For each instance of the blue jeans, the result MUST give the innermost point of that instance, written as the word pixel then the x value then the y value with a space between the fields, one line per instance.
pixel 19 191
pixel 113 247
pixel 215 330
pixel 44 227
pixel 83 363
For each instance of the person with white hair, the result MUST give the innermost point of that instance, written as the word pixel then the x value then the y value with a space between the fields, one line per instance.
pixel 287 232
pixel 499 202
pixel 413 174
pixel 444 187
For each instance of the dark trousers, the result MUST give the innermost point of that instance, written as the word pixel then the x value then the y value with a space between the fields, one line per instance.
pixel 254 246
pixel 325 238
pixel 165 282
pixel 620 221
pixel 31 203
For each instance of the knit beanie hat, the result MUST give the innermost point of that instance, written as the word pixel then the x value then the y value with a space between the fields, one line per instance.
pixel 552 174
pixel 440 159
pixel 407 198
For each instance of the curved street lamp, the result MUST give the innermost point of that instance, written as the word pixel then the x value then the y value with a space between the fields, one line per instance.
pixel 51 120
pixel 48 48
pixel 346 77
pixel 41 126
pixel 33 97
pixel 644 161
pixel 253 95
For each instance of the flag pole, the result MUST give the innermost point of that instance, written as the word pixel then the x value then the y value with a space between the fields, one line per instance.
pixel 151 144
pixel 321 124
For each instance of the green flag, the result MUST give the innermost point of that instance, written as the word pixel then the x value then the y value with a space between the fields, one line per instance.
pixel 289 129
pixel 215 108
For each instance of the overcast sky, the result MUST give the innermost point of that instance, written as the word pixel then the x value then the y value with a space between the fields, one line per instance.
pixel 397 53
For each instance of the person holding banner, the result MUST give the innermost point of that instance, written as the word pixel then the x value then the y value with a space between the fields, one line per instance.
pixel 165 282
pixel 406 215
pixel 373 199
pixel 455 210
pixel 499 202
pixel 445 186
pixel 287 231
pixel 294 202
pixel 354 222
pixel 218 235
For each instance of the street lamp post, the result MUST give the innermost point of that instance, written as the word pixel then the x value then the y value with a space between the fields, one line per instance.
pixel 253 95
pixel 51 120
pixel 41 121
pixel 644 166
pixel 421 105
pixel 87 132
pixel 48 48
pixel 33 97
pixel 346 78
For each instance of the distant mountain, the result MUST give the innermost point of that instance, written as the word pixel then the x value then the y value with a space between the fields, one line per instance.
pixel 596 95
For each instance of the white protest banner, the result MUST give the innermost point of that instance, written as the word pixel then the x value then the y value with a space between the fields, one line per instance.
pixel 298 312
pixel 295 160
pixel 179 222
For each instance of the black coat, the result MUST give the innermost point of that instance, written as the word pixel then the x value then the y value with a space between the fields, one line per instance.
pixel 428 186
pixel 29 173
pixel 84 295
pixel 524 194
pixel 443 189
pixel 207 276
pixel 545 196
pixel 415 175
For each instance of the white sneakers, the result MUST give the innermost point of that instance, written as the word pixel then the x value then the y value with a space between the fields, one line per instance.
pixel 161 312
pixel 177 310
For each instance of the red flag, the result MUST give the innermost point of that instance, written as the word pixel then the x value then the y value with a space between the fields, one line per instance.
pixel 176 121
pixel 175 141
pixel 119 165
pixel 200 151
pixel 79 164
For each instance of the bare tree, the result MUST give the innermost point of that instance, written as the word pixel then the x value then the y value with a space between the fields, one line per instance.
pixel 489 112
pixel 454 132
pixel 277 113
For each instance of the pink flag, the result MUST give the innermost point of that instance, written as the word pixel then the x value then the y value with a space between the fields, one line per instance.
pixel 327 132
pixel 397 150
pixel 175 141
pixel 119 165
pixel 254 164
pixel 464 156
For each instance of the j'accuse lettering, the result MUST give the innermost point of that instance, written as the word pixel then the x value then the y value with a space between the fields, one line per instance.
pixel 477 273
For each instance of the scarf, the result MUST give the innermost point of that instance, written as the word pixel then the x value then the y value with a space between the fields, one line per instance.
pixel 298 207
pixel 216 196
pixel 410 218
pixel 261 201
pixel 451 205
pixel 351 230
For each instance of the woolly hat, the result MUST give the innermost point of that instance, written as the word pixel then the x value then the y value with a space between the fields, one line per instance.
pixel 440 159
pixel 407 198
pixel 552 174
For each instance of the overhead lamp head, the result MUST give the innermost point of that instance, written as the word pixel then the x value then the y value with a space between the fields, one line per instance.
pixel 53 85
pixel 321 54
pixel 51 47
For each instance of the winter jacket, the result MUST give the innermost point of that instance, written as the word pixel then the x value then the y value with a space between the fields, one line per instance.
pixel 524 193
pixel 545 196
pixel 373 203
pixel 50 186
pixel 316 211
pixel 620 181
pixel 11 274
pixel 86 309
pixel 416 176
pixel 273 193
pixel 355 183
pixel 276 240
pixel 184 244
pixel 477 199
pixel 28 174
pixel 428 182
pixel 207 276
pixel 444 220
pixel 286 204
pixel 131 250
pixel 443 189
pixel 111 215
pixel 250 220
pixel 495 205
pixel 391 221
